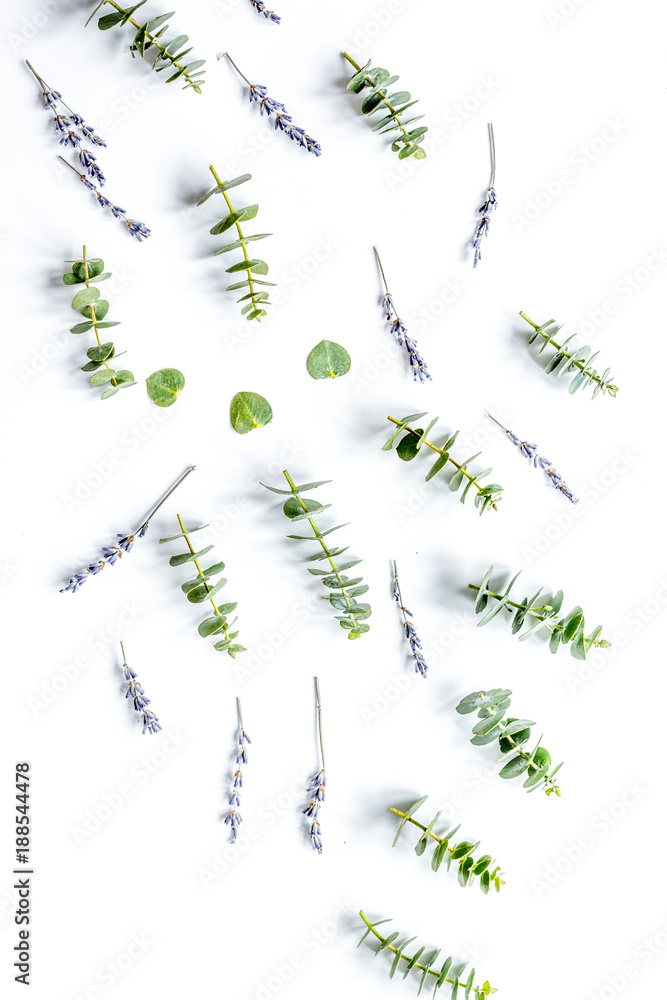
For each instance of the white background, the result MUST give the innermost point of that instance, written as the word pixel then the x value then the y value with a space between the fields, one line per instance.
pixel 550 84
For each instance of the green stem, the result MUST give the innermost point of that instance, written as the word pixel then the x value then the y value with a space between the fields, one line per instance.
pixel 581 365
pixel 153 41
pixel 92 313
pixel 515 746
pixel 435 448
pixel 542 607
pixel 396 951
pixel 373 84
pixel 320 539
pixel 319 721
pixel 219 182
pixel 201 575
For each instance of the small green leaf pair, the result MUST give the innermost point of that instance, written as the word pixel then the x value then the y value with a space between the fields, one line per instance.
pixel 491 707
pixel 569 629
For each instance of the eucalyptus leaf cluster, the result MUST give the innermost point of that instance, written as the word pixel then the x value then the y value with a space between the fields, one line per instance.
pixel 414 438
pixel 491 707
pixel 447 850
pixel 200 589
pixel 563 630
pixel 566 360
pixel 89 271
pixel 169 56
pixel 255 300
pixel 423 962
pixel 344 590
pixel 393 108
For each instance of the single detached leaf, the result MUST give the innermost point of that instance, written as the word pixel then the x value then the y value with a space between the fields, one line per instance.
pixel 328 360
pixel 165 385
pixel 249 410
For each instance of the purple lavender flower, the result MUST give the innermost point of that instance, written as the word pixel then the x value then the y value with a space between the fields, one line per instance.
pixel 261 8
pixel 89 163
pixel 138 229
pixel 420 372
pixel 488 206
pixel 316 790
pixel 140 702
pixel 233 817
pixel 258 94
pixel 112 553
pixel 421 667
pixel 529 451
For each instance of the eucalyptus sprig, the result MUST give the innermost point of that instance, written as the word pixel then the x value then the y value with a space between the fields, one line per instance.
pixel 199 590
pixel 148 36
pixel 344 591
pixel 255 300
pixel 561 630
pixel 578 360
pixel 393 105
pixel 491 707
pixel 87 301
pixel 423 962
pixel 468 868
pixel 486 497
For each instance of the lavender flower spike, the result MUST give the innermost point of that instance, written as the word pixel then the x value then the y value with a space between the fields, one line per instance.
pixel 488 206
pixel 261 8
pixel 150 721
pixel 136 229
pixel 233 818
pixel 112 553
pixel 529 451
pixel 419 370
pixel 316 786
pixel 421 667
pixel 65 124
pixel 258 94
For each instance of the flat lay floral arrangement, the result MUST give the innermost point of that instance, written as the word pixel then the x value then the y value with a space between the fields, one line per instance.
pixel 328 555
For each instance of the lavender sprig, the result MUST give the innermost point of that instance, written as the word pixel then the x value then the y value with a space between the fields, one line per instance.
pixel 67 124
pixel 150 721
pixel 112 553
pixel 233 818
pixel 529 451
pixel 258 94
pixel 419 370
pixel 261 8
pixel 421 666
pixel 135 228
pixel 488 206
pixel 316 786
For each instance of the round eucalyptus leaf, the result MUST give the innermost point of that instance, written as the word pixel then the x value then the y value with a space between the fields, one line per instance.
pixel 328 360
pixel 249 410
pixel 164 386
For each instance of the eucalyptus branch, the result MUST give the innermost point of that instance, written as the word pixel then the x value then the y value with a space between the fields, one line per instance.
pixel 344 591
pixel 199 590
pixel 89 304
pixel 148 36
pixel 561 630
pixel 486 497
pixel 491 707
pixel 468 868
pixel 112 553
pixel 567 361
pixel 396 104
pixel 255 300
pixel 424 962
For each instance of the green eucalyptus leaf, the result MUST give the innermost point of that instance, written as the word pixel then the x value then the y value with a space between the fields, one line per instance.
pixel 249 410
pixel 165 386
pixel 328 360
